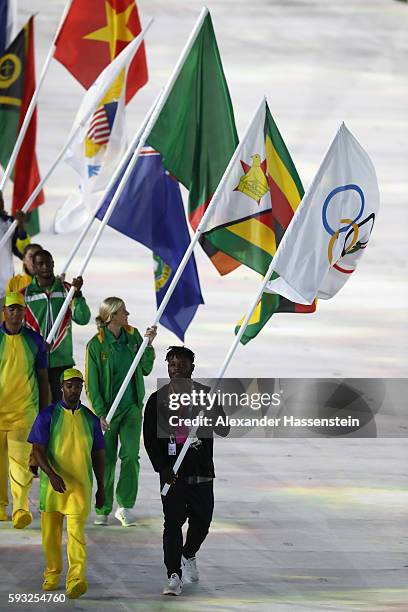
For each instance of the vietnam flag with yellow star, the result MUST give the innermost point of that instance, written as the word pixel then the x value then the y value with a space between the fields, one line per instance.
pixel 96 31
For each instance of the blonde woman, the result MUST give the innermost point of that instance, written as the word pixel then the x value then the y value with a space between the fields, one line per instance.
pixel 109 355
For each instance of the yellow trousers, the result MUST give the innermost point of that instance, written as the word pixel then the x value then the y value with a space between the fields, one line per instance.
pixel 14 460
pixel 51 530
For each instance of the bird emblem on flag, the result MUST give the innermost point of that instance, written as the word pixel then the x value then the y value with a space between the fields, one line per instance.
pixel 254 182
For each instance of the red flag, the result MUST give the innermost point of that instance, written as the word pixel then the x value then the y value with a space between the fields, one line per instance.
pixel 26 175
pixel 96 31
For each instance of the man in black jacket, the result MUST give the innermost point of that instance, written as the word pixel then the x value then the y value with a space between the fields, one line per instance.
pixel 191 493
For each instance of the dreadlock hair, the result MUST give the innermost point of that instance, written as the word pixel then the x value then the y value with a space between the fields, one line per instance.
pixel 179 351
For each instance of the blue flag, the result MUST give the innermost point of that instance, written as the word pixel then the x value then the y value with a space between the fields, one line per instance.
pixel 150 210
pixel 8 12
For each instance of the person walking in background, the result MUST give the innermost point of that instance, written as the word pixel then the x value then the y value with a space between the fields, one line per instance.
pixel 109 355
pixel 44 297
pixel 23 391
pixel 21 281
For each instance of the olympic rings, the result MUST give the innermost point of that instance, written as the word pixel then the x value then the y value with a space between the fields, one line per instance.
pixel 336 235
pixel 327 202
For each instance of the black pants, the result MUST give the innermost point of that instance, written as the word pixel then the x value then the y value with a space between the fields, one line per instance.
pixel 194 502
pixel 55 384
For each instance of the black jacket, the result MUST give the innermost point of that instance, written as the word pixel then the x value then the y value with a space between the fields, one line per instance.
pixel 199 458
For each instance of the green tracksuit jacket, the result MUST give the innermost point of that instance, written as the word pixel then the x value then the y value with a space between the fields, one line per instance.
pixel 42 310
pixel 98 370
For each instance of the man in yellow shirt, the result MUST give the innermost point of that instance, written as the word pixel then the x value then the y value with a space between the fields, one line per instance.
pixel 68 444
pixel 23 390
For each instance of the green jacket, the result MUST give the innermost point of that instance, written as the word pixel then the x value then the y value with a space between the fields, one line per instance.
pixel 42 310
pixel 98 370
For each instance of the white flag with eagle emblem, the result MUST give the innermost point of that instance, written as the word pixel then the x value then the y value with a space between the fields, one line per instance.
pixel 246 191
pixel 331 227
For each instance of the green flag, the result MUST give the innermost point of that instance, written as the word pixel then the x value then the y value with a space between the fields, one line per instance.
pixel 33 222
pixel 195 131
pixel 269 304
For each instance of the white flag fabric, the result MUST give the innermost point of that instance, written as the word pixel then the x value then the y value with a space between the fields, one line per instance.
pixel 246 190
pixel 100 140
pixel 102 84
pixel 332 226
pixel 11 26
pixel 95 159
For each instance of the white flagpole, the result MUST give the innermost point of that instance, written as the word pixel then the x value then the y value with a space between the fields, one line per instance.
pixel 182 265
pixel 245 322
pixel 101 227
pixel 229 356
pixel 71 137
pixel 230 353
pixel 224 366
pixel 111 183
pixel 33 102
pixel 40 185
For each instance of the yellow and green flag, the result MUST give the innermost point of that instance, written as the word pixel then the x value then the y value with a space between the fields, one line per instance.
pixel 266 307
pixel 259 198
pixel 254 209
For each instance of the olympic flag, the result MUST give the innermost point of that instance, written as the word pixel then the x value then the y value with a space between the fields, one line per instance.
pixel 331 227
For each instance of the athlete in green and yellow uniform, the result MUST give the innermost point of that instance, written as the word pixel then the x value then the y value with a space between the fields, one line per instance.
pixel 109 356
pixel 23 390
pixel 68 443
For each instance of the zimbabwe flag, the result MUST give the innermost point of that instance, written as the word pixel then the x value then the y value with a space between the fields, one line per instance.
pixel 266 307
pixel 254 209
pixel 259 197
pixel 17 86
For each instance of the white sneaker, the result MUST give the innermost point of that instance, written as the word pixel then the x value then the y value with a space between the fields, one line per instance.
pixel 101 519
pixel 189 569
pixel 125 516
pixel 174 585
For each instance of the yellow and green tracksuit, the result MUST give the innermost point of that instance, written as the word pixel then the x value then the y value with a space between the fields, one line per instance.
pixel 69 436
pixel 108 360
pixel 21 355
